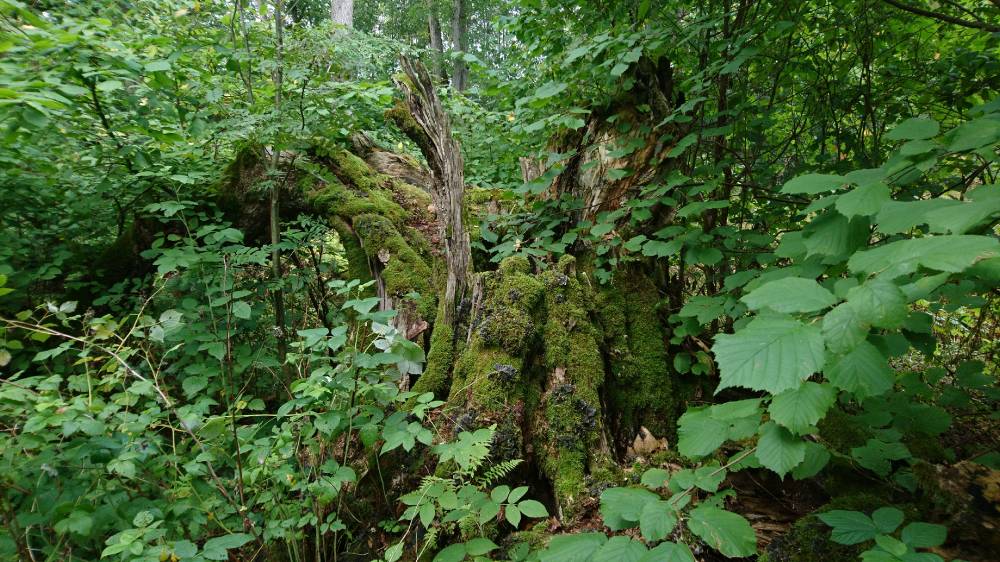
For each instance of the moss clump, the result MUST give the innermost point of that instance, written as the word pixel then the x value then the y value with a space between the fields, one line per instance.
pixel 572 421
pixel 643 392
pixel 489 375
pixel 403 269
pixel 440 359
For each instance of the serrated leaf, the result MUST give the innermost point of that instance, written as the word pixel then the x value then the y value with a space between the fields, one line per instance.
pixel 899 216
pixel 513 515
pixel 654 478
pixel 573 548
pixel 879 302
pixel 657 520
pixel 621 507
pixel 816 459
pixel 844 328
pixel 863 371
pixel 800 408
pixel 698 433
pixel 727 532
pixel 866 200
pixel 951 253
pixel 779 450
pixel 669 552
pixel 620 549
pixel 849 527
pixel 812 184
pixel 791 294
pixel 772 353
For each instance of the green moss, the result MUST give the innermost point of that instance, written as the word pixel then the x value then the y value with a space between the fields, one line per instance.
pixel 842 432
pixel 357 260
pixel 573 360
pixel 405 271
pixel 643 393
pixel 401 116
pixel 440 359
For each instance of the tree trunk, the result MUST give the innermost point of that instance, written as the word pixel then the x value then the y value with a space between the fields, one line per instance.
pixel 459 28
pixel 342 12
pixel 437 43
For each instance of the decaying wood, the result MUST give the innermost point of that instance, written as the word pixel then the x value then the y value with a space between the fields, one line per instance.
pixel 444 156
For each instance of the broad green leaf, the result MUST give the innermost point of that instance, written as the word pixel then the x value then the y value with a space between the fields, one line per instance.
pixel 877 455
pixel 899 216
pixel 849 527
pixel 887 519
pixel 699 434
pixel 669 552
pixel 816 458
pixel 791 294
pixel 952 253
pixel 549 89
pixel 916 128
pixel 158 66
pixel 620 549
pixel 835 236
pixel 659 248
pixel 865 200
pixel 573 548
pixel 216 549
pixel 241 309
pixel 959 219
pixel 621 507
pixel 532 508
pixel 844 328
pixel 863 371
pixel 889 544
pixel 727 532
pixel 812 184
pixel 654 478
pixel 924 535
pixel 779 450
pixel 772 353
pixel 879 302
pixel 974 134
pixel 479 546
pixel 657 520
pixel 799 409
pixel 453 553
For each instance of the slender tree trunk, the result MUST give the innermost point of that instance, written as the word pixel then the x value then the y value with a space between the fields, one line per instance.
pixel 342 12
pixel 275 225
pixel 437 43
pixel 459 27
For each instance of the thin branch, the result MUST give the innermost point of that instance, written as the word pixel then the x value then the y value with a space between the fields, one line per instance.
pixel 943 17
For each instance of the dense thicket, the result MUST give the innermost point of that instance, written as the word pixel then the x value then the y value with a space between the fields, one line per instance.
pixel 641 280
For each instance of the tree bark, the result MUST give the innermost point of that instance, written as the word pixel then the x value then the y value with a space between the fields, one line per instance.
pixel 459 27
pixel 431 130
pixel 437 43
pixel 342 12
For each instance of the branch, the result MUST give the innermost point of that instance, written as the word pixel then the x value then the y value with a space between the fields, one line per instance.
pixel 943 17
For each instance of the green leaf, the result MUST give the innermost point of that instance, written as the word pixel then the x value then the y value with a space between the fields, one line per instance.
pixel 916 128
pixel 791 294
pixel 866 200
pixel 109 85
pixel 899 216
pixel 479 546
pixel 812 184
pixel 799 409
pixel 698 433
pixel 849 527
pixel 835 236
pixel 532 508
pixel 880 303
pixel 844 328
pixel 863 371
pixel 216 549
pixel 550 89
pixel 772 353
pixel 924 535
pixel 654 478
pixel 974 134
pixel 887 519
pixel 453 553
pixel 657 520
pixel 573 548
pixel 620 549
pixel 816 458
pixel 669 552
pixel 891 545
pixel 241 309
pixel 621 507
pixel 960 218
pixel 952 253
pixel 513 515
pixel 779 450
pixel 660 249
pixel 158 66
pixel 727 532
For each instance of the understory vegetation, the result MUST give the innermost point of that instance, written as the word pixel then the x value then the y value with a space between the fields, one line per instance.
pixel 519 280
